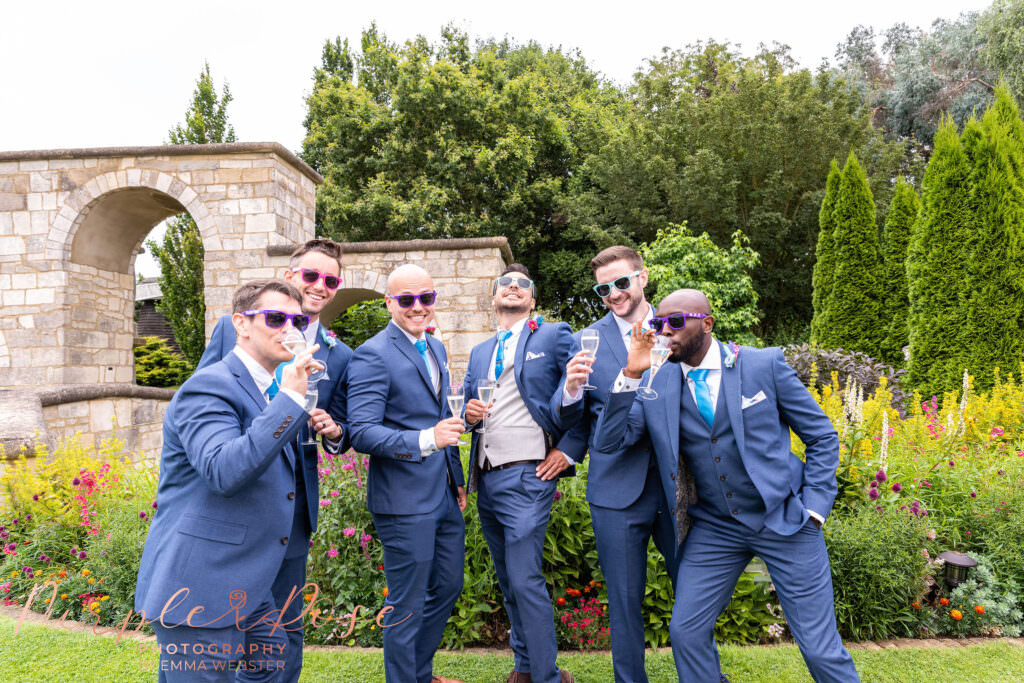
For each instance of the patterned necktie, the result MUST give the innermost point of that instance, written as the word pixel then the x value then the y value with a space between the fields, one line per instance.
pixel 499 358
pixel 703 394
pixel 421 346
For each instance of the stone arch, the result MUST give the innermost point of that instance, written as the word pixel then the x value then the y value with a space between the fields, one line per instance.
pixel 359 285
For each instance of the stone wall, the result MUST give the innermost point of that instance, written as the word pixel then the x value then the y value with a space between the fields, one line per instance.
pixel 139 423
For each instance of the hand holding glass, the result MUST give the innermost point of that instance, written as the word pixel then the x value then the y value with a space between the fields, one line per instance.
pixel 659 353
pixel 485 392
pixel 295 342
pixel 589 340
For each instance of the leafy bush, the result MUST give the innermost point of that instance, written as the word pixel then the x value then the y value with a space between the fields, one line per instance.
pixel 156 365
pixel 877 571
pixel 982 604
pixel 753 614
pixel 817 367
pixel 361 321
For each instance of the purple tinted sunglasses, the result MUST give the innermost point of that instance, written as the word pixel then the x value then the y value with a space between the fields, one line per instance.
pixel 676 321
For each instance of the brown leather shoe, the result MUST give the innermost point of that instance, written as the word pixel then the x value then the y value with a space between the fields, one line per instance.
pixel 442 679
pixel 567 677
pixel 518 677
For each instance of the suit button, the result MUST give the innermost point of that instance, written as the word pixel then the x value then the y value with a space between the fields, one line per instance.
pixel 277 434
pixel 284 539
pixel 722 477
pixel 718 459
pixel 735 511
pixel 288 420
pixel 291 495
pixel 673 476
pixel 729 494
pixel 714 440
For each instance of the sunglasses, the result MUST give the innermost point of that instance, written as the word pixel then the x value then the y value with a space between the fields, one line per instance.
pixel 407 300
pixel 676 321
pixel 276 319
pixel 621 283
pixel 310 275
pixel 508 281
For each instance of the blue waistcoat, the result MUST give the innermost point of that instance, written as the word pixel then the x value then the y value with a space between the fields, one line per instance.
pixel 724 488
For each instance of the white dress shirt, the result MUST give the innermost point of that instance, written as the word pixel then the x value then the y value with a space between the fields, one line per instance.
pixel 264 379
pixel 511 345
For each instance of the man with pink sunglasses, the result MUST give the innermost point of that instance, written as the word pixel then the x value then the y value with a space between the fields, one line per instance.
pixel 315 270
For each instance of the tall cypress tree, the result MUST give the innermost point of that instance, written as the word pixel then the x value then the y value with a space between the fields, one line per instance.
pixel 855 303
pixel 825 256
pixel 935 265
pixel 903 212
pixel 993 333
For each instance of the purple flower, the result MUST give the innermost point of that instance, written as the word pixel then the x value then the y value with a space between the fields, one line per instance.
pixel 974 494
pixel 880 475
pixel 873 494
pixel 1001 473
pixel 897 487
pixel 878 508
pixel 11 548
pixel 951 463
pixel 3 534
pixel 558 495
pixel 873 484
pixel 154 505
pixel 76 481
pixel 44 558
pixel 35 496
pixel 82 555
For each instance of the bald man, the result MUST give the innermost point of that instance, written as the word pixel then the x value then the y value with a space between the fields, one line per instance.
pixel 415 489
pixel 720 428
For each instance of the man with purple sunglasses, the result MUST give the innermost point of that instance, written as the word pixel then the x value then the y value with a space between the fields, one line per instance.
pixel 721 427
pixel 315 270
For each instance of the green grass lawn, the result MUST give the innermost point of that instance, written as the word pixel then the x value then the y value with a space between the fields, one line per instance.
pixel 41 653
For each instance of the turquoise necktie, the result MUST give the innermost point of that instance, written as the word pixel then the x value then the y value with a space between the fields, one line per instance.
pixel 703 394
pixel 499 358
pixel 272 390
pixel 421 346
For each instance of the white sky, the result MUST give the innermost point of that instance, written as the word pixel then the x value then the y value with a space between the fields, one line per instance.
pixel 114 72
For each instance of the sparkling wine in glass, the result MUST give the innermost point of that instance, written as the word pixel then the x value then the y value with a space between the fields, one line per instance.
pixel 311 398
pixel 295 342
pixel 588 341
pixel 485 392
pixel 659 353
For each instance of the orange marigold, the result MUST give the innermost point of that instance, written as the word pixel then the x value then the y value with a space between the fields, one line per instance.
pixel 915 605
pixel 956 614
pixel 385 591
pixel 980 609
pixel 86 572
pixel 943 601
pixel 560 601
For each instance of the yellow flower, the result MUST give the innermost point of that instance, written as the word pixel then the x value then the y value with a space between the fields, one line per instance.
pixel 92 580
pixel 94 605
pixel 63 596
pixel 105 597
pixel 86 572
pixel 14 575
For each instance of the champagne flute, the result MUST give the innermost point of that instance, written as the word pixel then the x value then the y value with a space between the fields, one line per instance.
pixel 456 400
pixel 312 395
pixel 659 353
pixel 295 343
pixel 588 341
pixel 485 392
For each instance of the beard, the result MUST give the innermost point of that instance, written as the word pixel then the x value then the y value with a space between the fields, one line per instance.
pixel 687 351
pixel 520 308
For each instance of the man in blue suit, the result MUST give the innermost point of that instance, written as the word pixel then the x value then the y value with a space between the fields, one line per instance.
pixel 415 488
pixel 226 501
pixel 627 503
pixel 721 424
pixel 315 269
pixel 515 462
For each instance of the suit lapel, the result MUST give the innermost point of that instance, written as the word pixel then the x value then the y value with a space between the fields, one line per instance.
pixel 402 343
pixel 524 339
pixel 246 381
pixel 437 348
pixel 611 339
pixel 669 397
pixel 732 387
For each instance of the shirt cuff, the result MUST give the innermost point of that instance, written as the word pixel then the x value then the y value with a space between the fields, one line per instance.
pixel 295 396
pixel 568 399
pixel 572 463
pixel 623 383
pixel 427 445
pixel 332 445
pixel 815 515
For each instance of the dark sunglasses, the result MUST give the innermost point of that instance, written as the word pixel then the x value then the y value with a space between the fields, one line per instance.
pixel 310 275
pixel 508 281
pixel 407 300
pixel 276 319
pixel 620 283
pixel 676 321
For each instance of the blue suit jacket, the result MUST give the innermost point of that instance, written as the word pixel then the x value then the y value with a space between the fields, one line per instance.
pixel 549 347
pixel 391 399
pixel 615 478
pixel 331 397
pixel 224 513
pixel 787 486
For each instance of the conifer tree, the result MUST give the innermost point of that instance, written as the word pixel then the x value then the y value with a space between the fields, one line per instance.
pixel 993 301
pixel 855 302
pixel 903 212
pixel 824 263
pixel 935 268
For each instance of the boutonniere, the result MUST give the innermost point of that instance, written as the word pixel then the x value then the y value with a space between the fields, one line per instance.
pixel 534 323
pixel 329 337
pixel 732 352
pixel 431 330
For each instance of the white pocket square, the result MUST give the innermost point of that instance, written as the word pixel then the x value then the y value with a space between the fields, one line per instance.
pixel 756 398
pixel 530 355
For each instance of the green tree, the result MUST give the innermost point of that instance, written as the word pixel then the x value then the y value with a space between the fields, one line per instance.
pixel 993 304
pixel 855 303
pixel 935 265
pixel 451 140
pixel 180 253
pixel 825 254
pixel 724 142
pixel 677 259
pixel 361 321
pixel 903 212
pixel 156 365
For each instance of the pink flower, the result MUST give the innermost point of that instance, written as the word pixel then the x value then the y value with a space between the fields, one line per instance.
pixel 334 494
pixel 348 531
pixel 532 324
pixel 365 539
pixel 997 431
pixel 324 503
pixel 333 552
